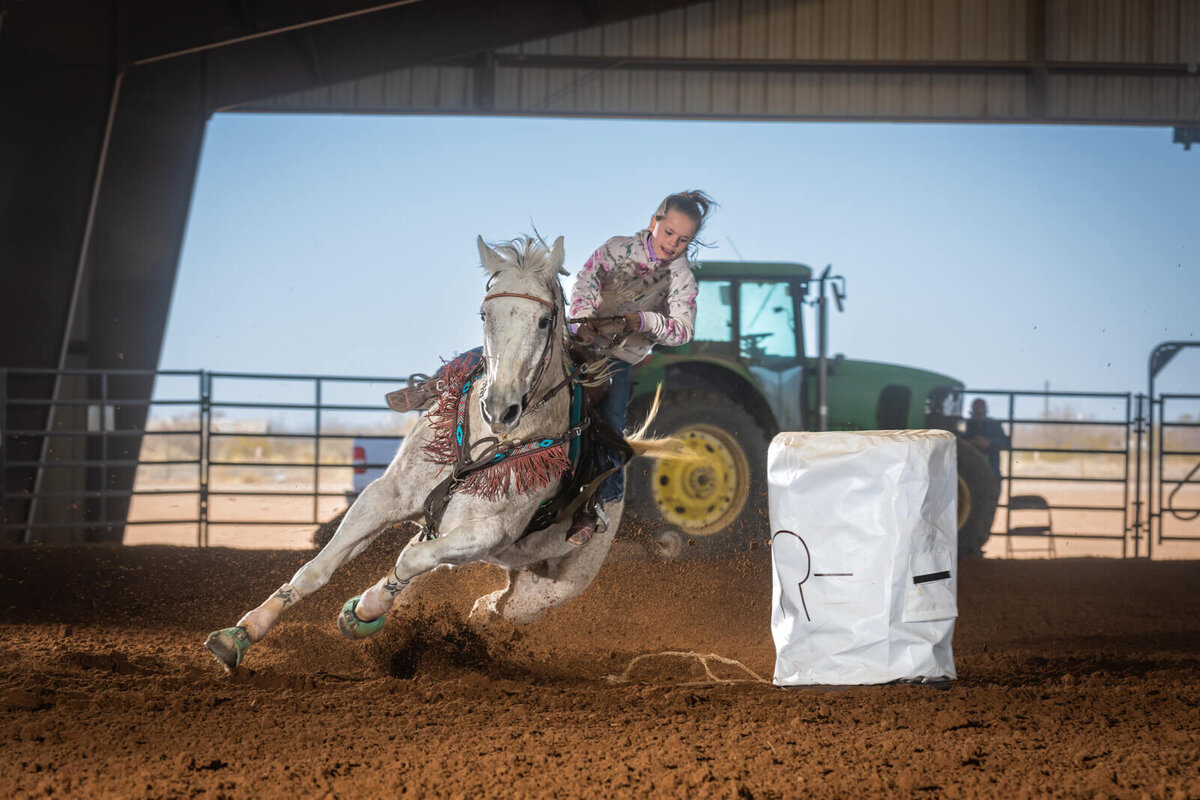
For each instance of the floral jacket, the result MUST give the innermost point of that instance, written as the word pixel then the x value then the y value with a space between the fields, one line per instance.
pixel 622 277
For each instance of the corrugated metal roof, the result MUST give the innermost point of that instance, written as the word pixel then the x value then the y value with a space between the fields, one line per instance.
pixel 979 60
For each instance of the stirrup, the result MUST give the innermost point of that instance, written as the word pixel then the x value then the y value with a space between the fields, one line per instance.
pixel 420 394
pixel 229 657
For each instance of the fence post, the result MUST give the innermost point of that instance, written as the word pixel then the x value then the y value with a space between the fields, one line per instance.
pixel 1155 498
pixel 104 453
pixel 1008 485
pixel 4 448
pixel 1139 423
pixel 317 456
pixel 1125 485
pixel 205 426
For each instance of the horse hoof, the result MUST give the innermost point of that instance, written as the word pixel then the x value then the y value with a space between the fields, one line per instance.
pixel 228 646
pixel 351 627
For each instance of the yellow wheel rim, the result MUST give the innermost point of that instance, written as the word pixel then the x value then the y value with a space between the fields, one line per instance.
pixel 964 502
pixel 704 494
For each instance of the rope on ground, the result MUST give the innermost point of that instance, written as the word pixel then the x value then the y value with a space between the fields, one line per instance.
pixel 712 679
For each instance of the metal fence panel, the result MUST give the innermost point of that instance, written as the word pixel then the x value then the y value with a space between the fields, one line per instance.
pixel 206 445
pixel 1175 496
pixel 226 451
pixel 1067 472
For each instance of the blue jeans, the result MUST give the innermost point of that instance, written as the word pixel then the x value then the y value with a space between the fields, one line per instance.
pixel 613 409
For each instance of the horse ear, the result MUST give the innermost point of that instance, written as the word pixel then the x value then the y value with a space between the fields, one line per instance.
pixel 492 261
pixel 557 257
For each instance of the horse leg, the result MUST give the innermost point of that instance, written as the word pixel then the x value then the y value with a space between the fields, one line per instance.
pixel 472 529
pixel 535 589
pixel 486 608
pixel 379 505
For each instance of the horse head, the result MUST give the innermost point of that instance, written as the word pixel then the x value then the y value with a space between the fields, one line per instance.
pixel 522 320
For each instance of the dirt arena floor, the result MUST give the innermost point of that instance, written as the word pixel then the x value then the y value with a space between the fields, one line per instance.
pixel 1078 678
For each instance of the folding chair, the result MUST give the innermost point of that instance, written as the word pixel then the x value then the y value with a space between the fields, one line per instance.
pixel 1031 503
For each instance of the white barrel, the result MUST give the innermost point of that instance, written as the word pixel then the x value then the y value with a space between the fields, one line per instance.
pixel 864 549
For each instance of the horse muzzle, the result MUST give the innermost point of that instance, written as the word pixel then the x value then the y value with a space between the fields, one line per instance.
pixel 502 411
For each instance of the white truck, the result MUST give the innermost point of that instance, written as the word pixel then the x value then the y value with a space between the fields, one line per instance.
pixel 370 456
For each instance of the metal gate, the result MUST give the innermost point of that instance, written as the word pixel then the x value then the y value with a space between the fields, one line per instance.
pixel 1147 497
pixel 1066 474
pixel 204 442
pixel 1173 422
pixel 1174 500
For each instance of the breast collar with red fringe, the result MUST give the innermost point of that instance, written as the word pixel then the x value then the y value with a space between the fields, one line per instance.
pixel 506 469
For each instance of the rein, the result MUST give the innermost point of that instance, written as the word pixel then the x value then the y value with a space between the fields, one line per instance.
pixel 578 320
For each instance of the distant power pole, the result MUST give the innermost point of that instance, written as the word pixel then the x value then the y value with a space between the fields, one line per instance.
pixel 1046 400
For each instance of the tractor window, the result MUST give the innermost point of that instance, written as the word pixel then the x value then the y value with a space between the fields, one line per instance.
pixel 768 322
pixel 891 412
pixel 714 312
pixel 943 409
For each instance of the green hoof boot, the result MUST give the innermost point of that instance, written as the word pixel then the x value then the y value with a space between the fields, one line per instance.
pixel 228 646
pixel 352 627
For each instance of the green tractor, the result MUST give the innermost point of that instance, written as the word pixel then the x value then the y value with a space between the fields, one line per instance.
pixel 746 376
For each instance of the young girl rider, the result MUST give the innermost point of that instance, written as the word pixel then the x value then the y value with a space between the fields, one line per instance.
pixel 645 279
pixel 646 282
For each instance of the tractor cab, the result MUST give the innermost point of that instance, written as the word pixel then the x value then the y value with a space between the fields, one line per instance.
pixel 751 313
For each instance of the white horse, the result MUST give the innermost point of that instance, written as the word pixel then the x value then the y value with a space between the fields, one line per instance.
pixel 517 401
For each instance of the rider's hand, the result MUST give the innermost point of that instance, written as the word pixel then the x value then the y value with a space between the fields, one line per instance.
pixel 586 333
pixel 633 322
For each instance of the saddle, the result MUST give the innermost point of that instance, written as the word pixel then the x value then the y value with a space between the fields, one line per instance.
pixel 419 395
pixel 423 390
pixel 585 475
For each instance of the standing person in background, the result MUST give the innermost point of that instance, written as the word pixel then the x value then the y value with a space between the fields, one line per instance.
pixel 987 434
pixel 646 280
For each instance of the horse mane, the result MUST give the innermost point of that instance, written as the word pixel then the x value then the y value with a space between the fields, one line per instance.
pixel 528 254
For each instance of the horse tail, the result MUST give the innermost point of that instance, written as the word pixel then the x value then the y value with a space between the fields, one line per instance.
pixel 662 447
pixel 666 447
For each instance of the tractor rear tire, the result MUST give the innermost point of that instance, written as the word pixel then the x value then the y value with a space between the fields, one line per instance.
pixel 978 496
pixel 717 504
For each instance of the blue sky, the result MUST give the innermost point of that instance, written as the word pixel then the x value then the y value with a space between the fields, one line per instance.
pixel 1005 256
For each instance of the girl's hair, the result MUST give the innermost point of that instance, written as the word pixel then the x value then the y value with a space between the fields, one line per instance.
pixel 693 204
pixel 696 206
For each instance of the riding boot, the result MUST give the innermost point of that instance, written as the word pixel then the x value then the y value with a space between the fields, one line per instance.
pixel 586 524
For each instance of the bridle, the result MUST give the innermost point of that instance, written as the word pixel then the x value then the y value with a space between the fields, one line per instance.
pixel 497 450
pixel 534 298
pixel 544 359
